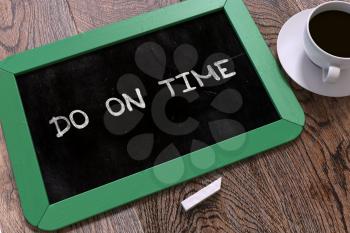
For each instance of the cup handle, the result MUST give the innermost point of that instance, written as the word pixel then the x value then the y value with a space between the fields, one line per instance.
pixel 330 74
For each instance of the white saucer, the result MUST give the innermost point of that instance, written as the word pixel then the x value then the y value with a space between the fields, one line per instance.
pixel 290 49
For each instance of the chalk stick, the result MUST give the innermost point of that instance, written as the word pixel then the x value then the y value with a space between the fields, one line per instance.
pixel 201 195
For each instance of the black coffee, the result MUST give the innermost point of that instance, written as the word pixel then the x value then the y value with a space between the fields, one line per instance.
pixel 331 32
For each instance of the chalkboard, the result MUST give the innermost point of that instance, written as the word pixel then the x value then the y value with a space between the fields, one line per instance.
pixel 112 147
pixel 187 92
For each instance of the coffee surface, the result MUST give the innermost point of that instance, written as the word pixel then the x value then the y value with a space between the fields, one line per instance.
pixel 330 31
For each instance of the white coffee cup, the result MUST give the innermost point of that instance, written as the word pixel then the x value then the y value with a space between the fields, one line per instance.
pixel 331 65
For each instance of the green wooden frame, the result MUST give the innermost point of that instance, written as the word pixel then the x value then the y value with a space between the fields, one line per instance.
pixel 34 201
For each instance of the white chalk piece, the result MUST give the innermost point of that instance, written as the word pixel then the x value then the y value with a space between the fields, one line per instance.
pixel 201 195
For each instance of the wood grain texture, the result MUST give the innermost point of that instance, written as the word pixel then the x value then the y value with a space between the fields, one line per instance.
pixel 28 24
pixel 90 14
pixel 303 186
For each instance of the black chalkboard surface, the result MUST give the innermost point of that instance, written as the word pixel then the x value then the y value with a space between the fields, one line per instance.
pixel 111 147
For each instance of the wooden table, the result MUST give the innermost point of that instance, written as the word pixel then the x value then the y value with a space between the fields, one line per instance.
pixel 303 186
